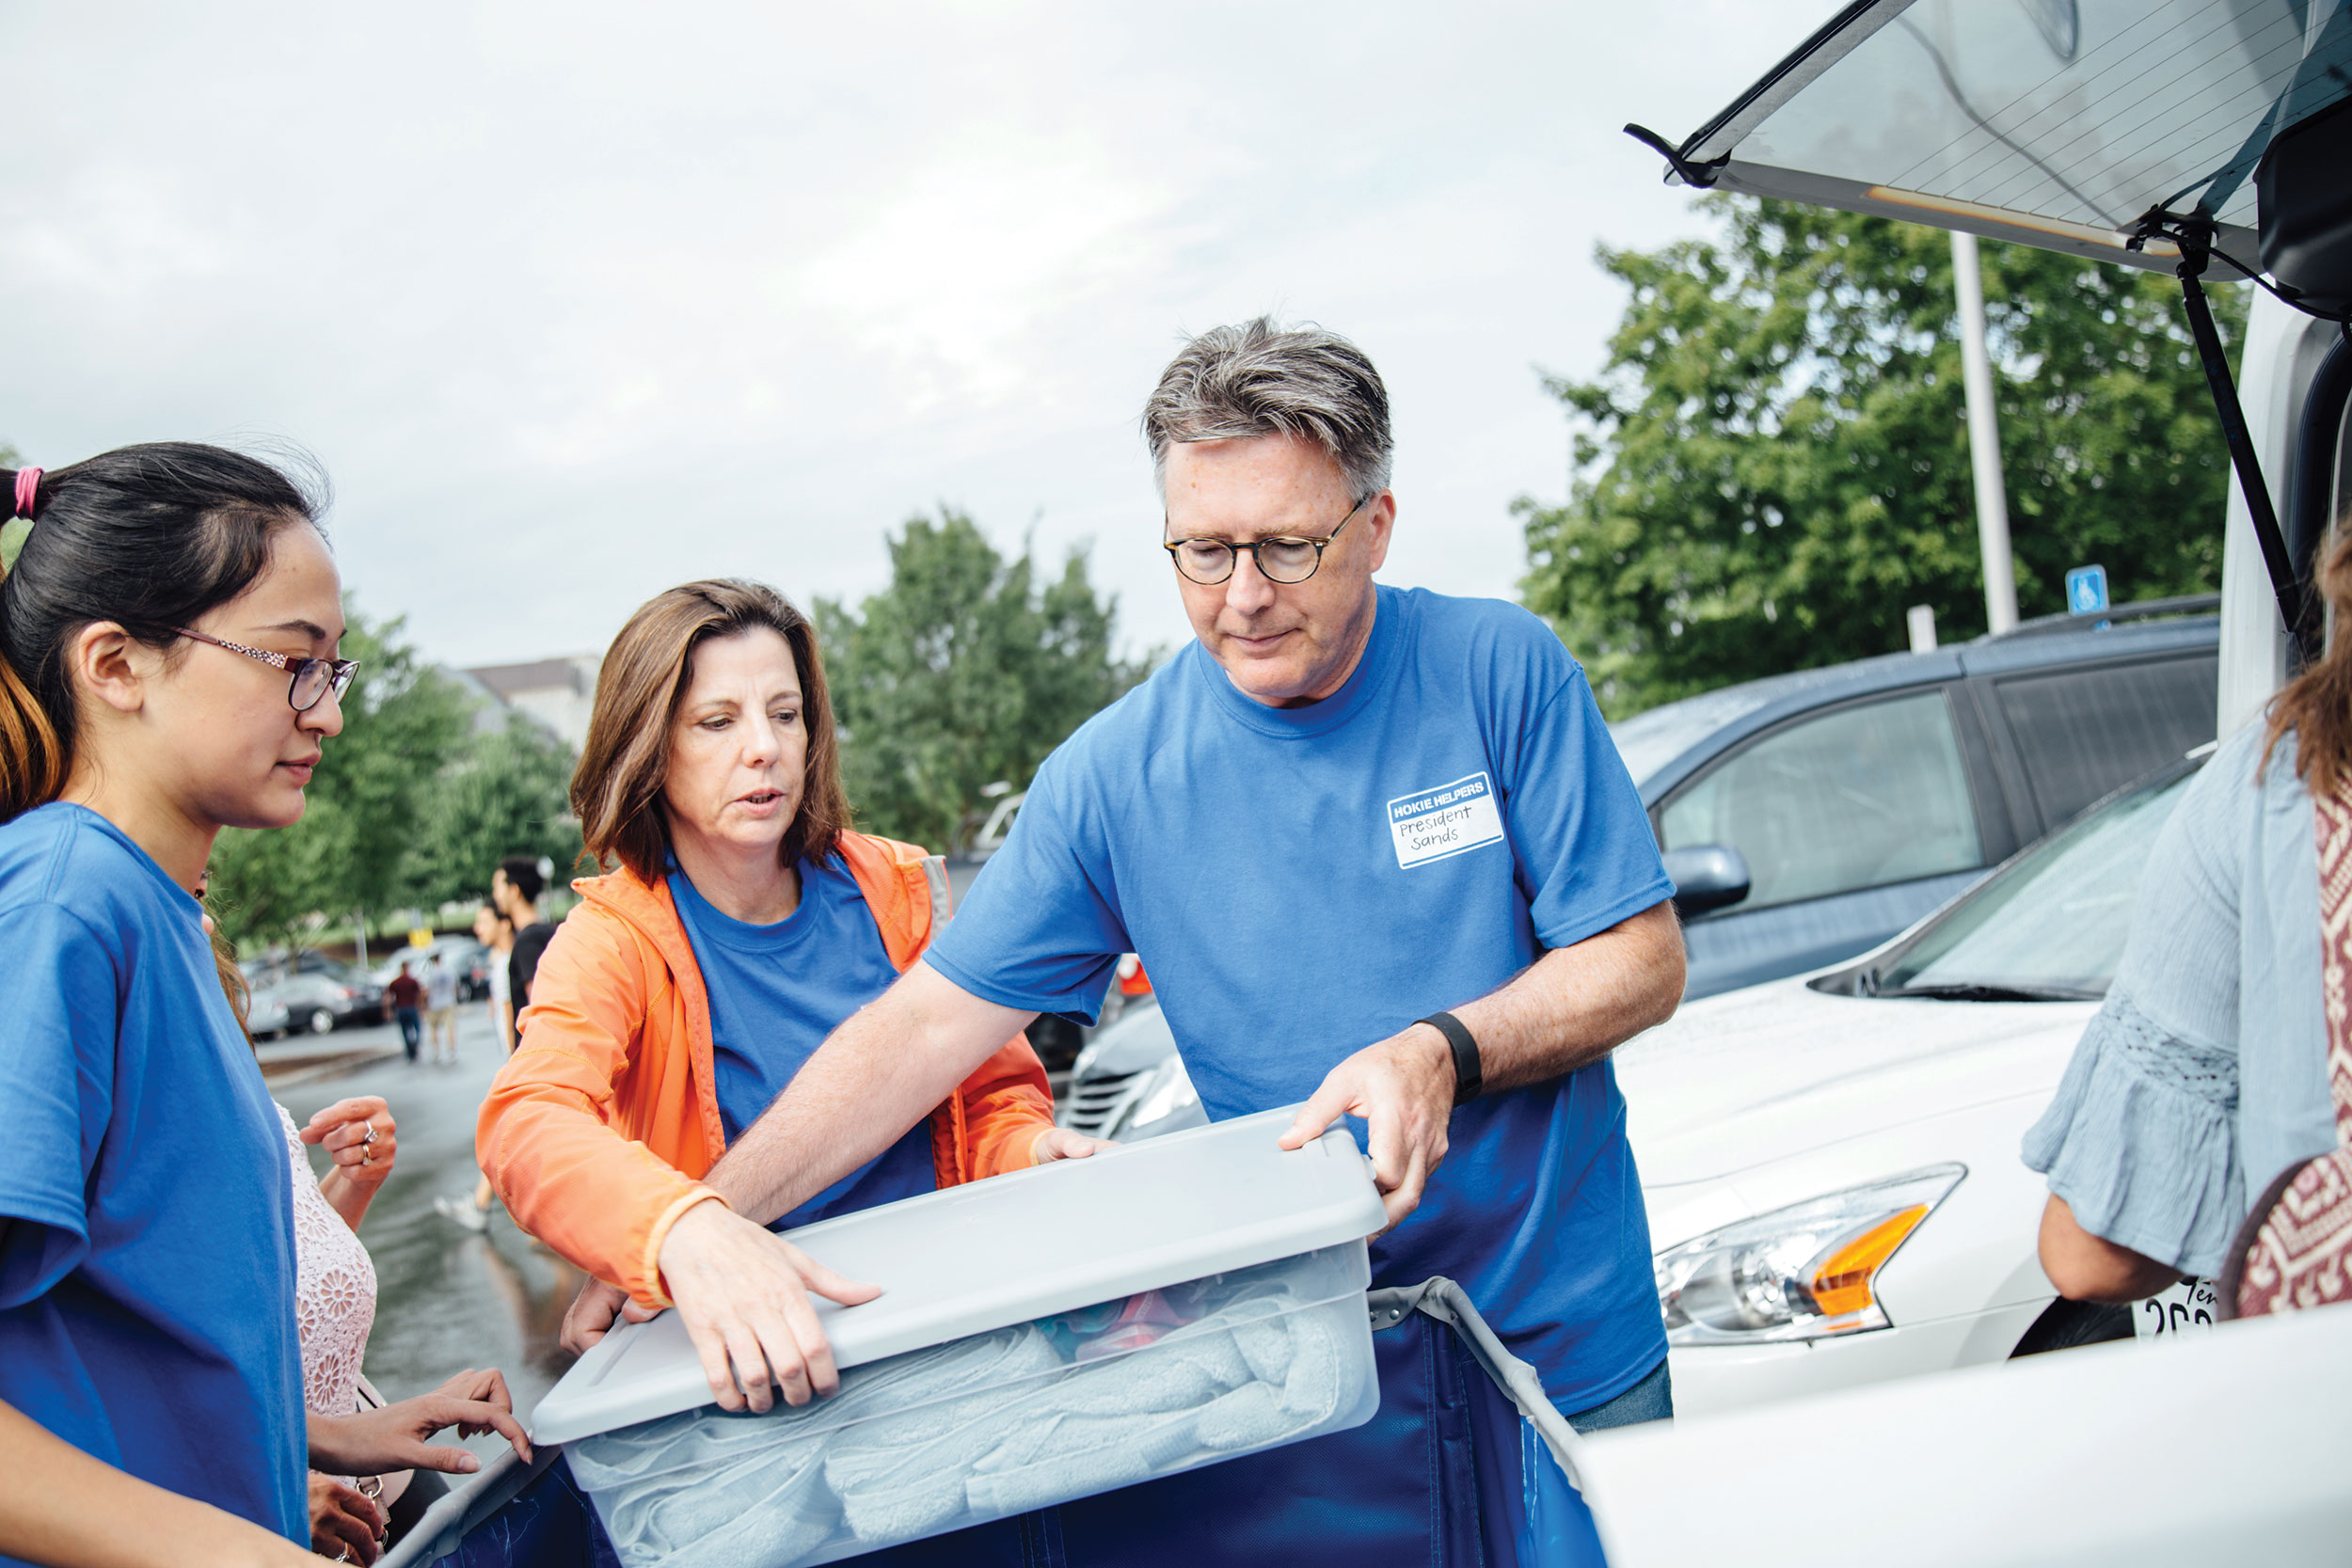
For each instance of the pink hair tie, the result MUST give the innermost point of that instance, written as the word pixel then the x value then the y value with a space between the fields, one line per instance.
pixel 27 490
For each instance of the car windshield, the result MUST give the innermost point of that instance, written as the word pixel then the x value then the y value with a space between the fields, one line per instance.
pixel 2051 924
pixel 2055 121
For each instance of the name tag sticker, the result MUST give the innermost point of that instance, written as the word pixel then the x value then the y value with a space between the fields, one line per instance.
pixel 1450 819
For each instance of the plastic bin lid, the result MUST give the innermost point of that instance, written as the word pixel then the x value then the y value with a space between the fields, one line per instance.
pixel 1015 1247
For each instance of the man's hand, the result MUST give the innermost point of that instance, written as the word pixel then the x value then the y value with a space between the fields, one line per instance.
pixel 1059 1143
pixel 361 1135
pixel 393 1437
pixel 742 1293
pixel 345 1524
pixel 1403 1088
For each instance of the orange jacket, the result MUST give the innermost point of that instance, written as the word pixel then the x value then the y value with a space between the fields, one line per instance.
pixel 598 1129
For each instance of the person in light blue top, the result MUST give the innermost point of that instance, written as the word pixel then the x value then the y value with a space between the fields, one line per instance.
pixel 169 620
pixel 2205 1073
pixel 1378 854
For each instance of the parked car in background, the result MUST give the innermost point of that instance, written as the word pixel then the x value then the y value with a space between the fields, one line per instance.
pixel 266 1016
pixel 1809 817
pixel 320 994
pixel 1129 1083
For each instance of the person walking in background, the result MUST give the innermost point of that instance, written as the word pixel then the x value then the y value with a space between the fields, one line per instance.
pixel 407 995
pixel 497 933
pixel 515 888
pixel 440 1009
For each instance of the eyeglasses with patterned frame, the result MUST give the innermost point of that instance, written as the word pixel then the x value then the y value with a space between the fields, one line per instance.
pixel 1282 559
pixel 308 679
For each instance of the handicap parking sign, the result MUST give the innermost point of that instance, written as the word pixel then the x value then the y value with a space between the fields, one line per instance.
pixel 2087 589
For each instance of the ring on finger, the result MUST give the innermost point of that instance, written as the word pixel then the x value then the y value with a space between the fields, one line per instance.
pixel 371 1137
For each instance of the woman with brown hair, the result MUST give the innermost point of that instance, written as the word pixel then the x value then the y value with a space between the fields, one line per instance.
pixel 740 919
pixel 2206 1073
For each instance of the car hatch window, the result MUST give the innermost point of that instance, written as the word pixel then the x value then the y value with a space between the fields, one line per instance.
pixel 1862 797
pixel 2059 123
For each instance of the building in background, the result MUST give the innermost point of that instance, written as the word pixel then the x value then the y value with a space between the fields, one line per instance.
pixel 558 692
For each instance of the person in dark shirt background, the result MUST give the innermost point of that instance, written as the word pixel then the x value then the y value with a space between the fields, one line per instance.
pixel 515 888
pixel 406 996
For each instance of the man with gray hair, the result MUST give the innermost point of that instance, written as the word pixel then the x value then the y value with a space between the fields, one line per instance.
pixel 1378 854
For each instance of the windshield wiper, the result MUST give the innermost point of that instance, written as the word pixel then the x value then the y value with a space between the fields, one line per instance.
pixel 1973 991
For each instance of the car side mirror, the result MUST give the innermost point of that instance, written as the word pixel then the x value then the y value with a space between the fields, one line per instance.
pixel 1707 877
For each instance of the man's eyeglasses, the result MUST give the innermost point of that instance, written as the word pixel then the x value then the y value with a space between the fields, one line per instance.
pixel 1281 559
pixel 309 678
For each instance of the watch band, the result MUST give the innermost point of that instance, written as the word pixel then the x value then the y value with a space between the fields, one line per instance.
pixel 1467 1076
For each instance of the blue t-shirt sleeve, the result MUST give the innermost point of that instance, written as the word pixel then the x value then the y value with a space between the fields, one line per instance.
pixel 1041 930
pixel 1574 818
pixel 57 1090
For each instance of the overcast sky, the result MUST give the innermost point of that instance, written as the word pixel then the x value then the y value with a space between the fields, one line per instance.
pixel 575 302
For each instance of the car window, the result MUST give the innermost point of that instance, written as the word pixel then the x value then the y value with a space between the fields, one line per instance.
pixel 2055 920
pixel 2083 734
pixel 1858 798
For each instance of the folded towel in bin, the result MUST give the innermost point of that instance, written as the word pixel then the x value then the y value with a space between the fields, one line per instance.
pixel 685 1482
pixel 978 1428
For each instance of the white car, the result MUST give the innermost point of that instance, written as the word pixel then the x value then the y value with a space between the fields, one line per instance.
pixel 1831 1163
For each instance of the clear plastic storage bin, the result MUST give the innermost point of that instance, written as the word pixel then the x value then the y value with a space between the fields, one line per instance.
pixel 1041 1336
pixel 995 1424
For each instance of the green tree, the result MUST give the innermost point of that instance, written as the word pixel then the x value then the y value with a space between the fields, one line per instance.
pixel 963 674
pixel 508 793
pixel 368 802
pixel 1773 463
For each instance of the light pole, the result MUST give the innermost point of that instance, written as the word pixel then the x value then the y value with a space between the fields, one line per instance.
pixel 1985 440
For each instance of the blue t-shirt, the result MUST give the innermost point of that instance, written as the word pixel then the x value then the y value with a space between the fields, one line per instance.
pixel 776 992
pixel 1302 883
pixel 146 1254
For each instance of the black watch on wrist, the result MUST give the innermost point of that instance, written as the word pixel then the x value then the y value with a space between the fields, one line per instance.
pixel 1466 1070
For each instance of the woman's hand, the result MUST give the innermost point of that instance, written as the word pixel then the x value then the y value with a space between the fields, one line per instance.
pixel 1059 1143
pixel 363 1140
pixel 742 1293
pixel 392 1437
pixel 594 1312
pixel 345 1525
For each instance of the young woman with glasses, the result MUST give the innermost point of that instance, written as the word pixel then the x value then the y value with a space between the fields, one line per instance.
pixel 168 616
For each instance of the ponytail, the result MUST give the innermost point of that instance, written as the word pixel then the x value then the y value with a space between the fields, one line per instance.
pixel 149 538
pixel 32 763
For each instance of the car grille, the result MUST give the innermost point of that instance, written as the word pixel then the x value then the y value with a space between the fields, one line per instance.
pixel 1092 1103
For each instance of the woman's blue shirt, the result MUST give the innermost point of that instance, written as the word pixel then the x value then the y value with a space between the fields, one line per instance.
pixel 147 1262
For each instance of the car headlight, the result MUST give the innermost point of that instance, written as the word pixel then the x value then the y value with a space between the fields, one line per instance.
pixel 1172 1093
pixel 1807 1272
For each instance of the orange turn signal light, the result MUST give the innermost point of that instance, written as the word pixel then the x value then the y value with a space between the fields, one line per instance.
pixel 1841 1281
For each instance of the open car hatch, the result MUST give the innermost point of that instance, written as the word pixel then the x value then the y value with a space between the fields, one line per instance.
pixel 2060 123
